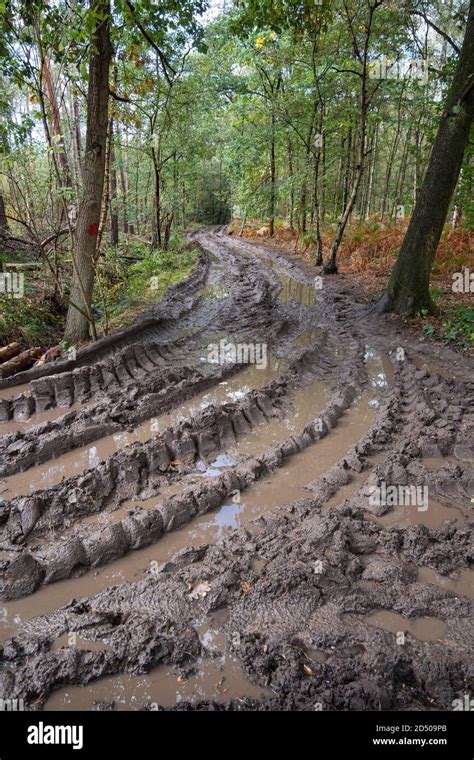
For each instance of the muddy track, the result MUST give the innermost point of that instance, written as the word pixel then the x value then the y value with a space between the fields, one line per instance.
pixel 234 507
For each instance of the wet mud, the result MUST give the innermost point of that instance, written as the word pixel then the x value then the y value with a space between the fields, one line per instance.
pixel 180 534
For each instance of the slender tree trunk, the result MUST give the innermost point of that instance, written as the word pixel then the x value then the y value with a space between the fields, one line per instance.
pixel 373 164
pixel 114 220
pixel 347 170
pixel 3 217
pixel 272 176
pixel 292 190
pixel 316 194
pixel 401 177
pixel 339 179
pixel 157 221
pixel 364 101
pixel 55 121
pixel 77 324
pixel 126 180
pixel 106 191
pixel 330 266
pixel 408 288
pixel 391 158
pixel 123 184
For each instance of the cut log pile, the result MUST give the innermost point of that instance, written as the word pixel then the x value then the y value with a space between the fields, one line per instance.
pixel 49 356
pixel 8 352
pixel 13 359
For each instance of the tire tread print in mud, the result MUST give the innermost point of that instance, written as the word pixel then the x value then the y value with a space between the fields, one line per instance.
pixel 299 620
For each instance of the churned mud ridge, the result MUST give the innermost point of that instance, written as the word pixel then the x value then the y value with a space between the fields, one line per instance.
pixel 297 592
pixel 328 601
pixel 180 299
pixel 127 369
pixel 118 362
pixel 117 412
pixel 199 437
pixel 441 409
pixel 160 392
pixel 24 573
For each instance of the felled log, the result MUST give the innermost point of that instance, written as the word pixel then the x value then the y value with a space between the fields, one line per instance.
pixel 49 356
pixel 21 362
pixel 8 352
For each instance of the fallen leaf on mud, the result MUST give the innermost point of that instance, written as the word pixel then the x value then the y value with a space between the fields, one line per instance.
pixel 201 590
pixel 308 670
pixel 246 587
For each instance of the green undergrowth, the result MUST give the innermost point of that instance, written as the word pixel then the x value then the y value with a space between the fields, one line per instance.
pixel 30 320
pixel 454 322
pixel 133 277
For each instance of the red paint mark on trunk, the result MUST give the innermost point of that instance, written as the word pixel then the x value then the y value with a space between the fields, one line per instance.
pixel 93 229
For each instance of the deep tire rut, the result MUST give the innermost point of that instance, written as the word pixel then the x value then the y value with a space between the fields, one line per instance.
pixel 321 594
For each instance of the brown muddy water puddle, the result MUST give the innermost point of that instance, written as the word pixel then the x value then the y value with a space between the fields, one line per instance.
pixel 285 485
pixel 216 675
pixel 292 289
pixel 463 585
pixel 88 457
pixel 433 517
pixel 306 404
pixel 214 292
pixel 15 390
pixel 72 640
pixel 435 463
pixel 433 368
pixel 423 628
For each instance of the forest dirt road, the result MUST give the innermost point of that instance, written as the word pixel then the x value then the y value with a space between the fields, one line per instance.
pixel 290 530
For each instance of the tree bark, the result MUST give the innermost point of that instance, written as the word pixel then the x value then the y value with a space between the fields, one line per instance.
pixel 3 214
pixel 114 221
pixel 8 352
pixel 21 362
pixel 55 121
pixel 408 288
pixel 292 189
pixel 272 176
pixel 79 319
pixel 157 221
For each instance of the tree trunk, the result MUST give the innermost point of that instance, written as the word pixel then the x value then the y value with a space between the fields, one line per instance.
pixel 408 288
pixel 156 199
pixel 330 267
pixel 272 176
pixel 21 362
pixel 8 352
pixel 391 158
pixel 3 214
pixel 399 196
pixel 77 131
pixel 55 121
pixel 80 308
pixel 106 191
pixel 292 189
pixel 370 186
pixel 114 221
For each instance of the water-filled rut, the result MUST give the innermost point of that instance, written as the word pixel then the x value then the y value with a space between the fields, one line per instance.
pixel 228 547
